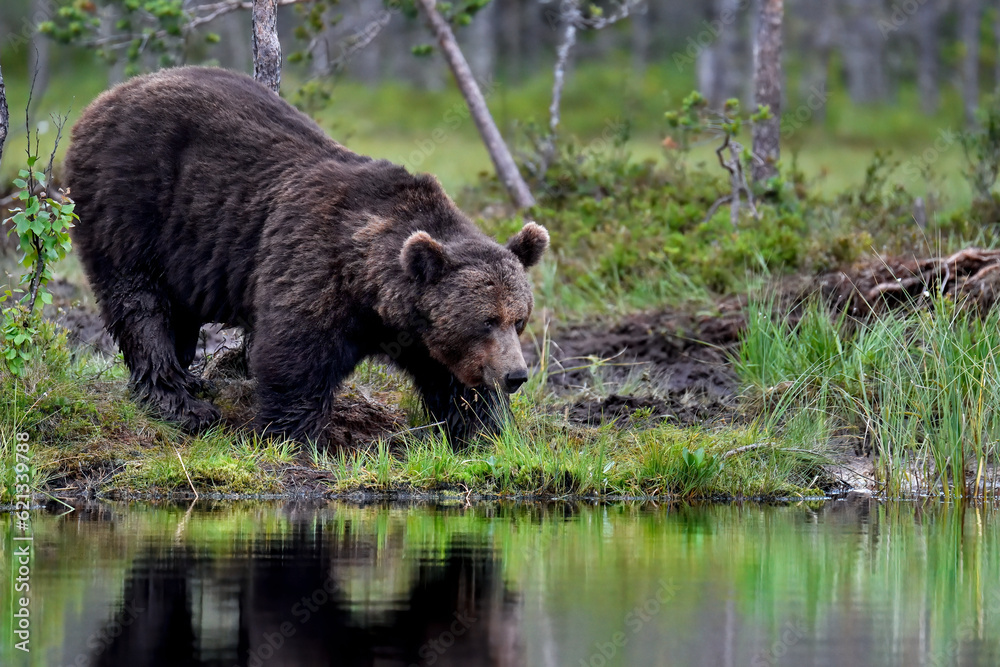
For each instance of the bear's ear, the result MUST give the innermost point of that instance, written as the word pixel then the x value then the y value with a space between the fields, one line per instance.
pixel 529 244
pixel 422 257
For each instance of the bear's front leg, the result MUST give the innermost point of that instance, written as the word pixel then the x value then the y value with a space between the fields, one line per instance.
pixel 464 412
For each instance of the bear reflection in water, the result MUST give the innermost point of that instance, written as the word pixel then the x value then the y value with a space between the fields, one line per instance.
pixel 301 601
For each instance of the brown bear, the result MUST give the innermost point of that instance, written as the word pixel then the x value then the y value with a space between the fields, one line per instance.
pixel 204 197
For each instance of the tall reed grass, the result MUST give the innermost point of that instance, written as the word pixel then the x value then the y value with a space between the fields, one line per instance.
pixel 920 387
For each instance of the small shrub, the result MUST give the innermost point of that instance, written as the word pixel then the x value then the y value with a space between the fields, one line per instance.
pixel 41 223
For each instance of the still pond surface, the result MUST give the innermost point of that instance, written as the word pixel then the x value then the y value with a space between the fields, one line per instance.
pixel 830 583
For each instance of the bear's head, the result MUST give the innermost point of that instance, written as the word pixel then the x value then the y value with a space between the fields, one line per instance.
pixel 474 301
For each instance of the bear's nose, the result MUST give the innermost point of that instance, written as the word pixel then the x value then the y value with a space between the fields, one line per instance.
pixel 514 380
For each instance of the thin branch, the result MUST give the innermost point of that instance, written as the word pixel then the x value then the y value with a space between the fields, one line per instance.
pixel 60 122
pixel 27 113
pixel 724 199
pixel 4 115
pixel 36 278
pixel 503 161
pixel 571 17
pixel 201 15
pixel 184 468
pixel 735 151
pixel 356 42
pixel 623 11
pixel 573 20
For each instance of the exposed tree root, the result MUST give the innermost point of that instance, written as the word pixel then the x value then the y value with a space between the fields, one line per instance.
pixel 972 273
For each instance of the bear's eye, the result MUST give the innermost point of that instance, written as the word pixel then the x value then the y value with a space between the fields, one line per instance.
pixel 519 326
pixel 491 324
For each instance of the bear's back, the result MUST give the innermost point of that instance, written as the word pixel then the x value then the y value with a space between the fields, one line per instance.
pixel 176 173
pixel 210 112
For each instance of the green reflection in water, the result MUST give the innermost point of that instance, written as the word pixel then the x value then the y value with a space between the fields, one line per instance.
pixel 824 583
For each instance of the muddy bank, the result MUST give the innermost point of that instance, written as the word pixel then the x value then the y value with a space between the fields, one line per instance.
pixel 660 365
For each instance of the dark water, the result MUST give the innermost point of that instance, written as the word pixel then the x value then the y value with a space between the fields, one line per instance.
pixel 833 583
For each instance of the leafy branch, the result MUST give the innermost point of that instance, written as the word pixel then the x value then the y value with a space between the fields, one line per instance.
pixel 41 222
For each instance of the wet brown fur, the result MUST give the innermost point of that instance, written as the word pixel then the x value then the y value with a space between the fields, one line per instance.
pixel 203 197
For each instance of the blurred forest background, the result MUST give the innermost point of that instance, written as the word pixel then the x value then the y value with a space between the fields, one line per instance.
pixel 887 196
pixel 859 75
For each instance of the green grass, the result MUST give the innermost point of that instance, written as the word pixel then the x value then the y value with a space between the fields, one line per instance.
pixel 543 456
pixel 217 461
pixel 921 386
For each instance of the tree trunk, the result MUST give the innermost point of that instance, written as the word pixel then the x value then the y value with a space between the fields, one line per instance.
pixel 767 84
pixel 996 44
pixel 502 159
pixel 927 27
pixel 108 16
pixel 971 11
pixel 39 49
pixel 423 72
pixel 481 42
pixel 721 64
pixel 815 44
pixel 266 47
pixel 366 65
pixel 570 15
pixel 537 24
pixel 4 116
pixel 510 44
pixel 863 52
pixel 233 48
pixel 640 39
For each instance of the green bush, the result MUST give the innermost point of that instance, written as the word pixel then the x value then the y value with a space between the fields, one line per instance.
pixel 632 234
